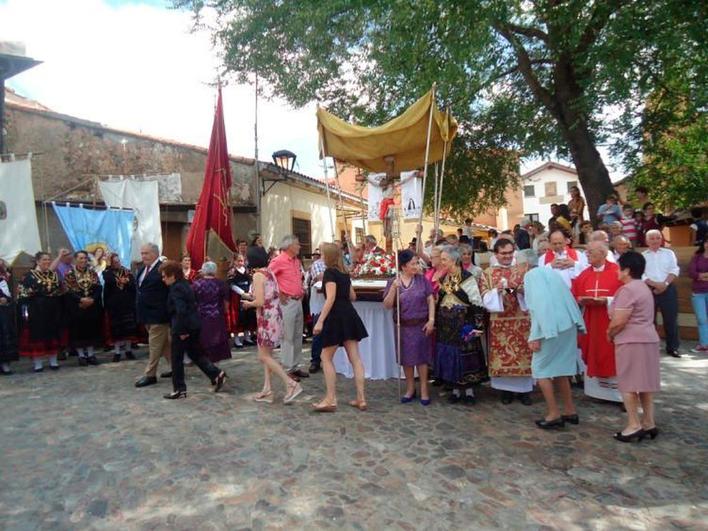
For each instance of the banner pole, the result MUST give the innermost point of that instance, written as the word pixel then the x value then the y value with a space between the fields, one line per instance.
pixel 419 245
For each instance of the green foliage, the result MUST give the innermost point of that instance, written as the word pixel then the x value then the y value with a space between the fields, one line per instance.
pixel 542 78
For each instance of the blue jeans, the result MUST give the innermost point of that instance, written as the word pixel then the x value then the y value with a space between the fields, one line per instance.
pixel 700 308
pixel 316 350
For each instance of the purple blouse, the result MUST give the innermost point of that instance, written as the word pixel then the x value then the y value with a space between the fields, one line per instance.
pixel 414 298
pixel 698 265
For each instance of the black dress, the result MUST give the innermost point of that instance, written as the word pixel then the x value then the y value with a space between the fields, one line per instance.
pixel 40 308
pixel 85 324
pixel 8 330
pixel 342 323
pixel 119 299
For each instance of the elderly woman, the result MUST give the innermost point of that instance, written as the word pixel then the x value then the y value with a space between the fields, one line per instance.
pixel 467 261
pixel 185 327
pixel 636 348
pixel 555 323
pixel 460 316
pixel 8 332
pixel 417 304
pixel 435 271
pixel 212 302
pixel 119 299
pixel 40 300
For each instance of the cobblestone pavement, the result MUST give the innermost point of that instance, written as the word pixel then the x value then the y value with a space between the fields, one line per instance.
pixel 82 448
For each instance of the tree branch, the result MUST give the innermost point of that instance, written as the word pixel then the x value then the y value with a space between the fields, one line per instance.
pixel 515 68
pixel 525 67
pixel 598 20
pixel 533 33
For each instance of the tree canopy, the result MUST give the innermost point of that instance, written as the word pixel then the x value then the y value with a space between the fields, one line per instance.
pixel 523 77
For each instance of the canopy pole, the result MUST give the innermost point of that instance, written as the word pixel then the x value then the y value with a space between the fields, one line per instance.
pixel 347 235
pixel 440 193
pixel 329 198
pixel 396 230
pixel 419 244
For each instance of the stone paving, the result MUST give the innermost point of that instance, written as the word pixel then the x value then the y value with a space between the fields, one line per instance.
pixel 83 449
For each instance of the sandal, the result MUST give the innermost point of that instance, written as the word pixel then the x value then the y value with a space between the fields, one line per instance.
pixel 360 405
pixel 264 396
pixel 324 408
pixel 294 390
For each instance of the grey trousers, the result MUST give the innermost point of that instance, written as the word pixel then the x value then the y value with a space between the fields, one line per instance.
pixel 291 344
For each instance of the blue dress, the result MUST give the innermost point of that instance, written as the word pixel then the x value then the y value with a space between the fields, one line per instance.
pixel 557 357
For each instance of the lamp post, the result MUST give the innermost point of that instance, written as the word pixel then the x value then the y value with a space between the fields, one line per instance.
pixel 284 160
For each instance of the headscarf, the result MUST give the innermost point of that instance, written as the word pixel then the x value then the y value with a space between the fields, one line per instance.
pixel 551 305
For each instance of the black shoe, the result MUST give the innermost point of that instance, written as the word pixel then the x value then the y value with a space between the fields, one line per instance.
pixel 83 362
pixel 525 398
pixel 469 400
pixel 92 360
pixel 129 355
pixel 653 433
pixel 507 397
pixel 7 372
pixel 300 373
pixel 551 424
pixel 573 419
pixel 673 353
pixel 38 369
pixel 54 367
pixel 219 382
pixel 167 374
pixel 145 381
pixel 637 435
pixel 314 367
pixel 116 358
pixel 175 395
pixel 454 399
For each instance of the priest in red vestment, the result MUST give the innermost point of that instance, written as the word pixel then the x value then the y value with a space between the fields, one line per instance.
pixel 594 289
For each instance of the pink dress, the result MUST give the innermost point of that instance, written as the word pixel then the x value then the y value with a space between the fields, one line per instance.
pixel 637 344
pixel 269 316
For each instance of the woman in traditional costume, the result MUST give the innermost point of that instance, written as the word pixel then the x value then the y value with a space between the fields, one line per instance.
pixel 84 309
pixel 417 305
pixel 460 318
pixel 41 309
pixel 212 302
pixel 8 331
pixel 119 300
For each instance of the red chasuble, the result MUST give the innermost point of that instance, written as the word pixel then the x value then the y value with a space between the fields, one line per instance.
pixel 598 352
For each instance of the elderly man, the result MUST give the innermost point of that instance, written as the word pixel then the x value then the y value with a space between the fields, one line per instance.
pixel 501 287
pixel 594 289
pixel 562 258
pixel 620 245
pixel 660 273
pixel 523 237
pixel 601 236
pixel 371 247
pixel 288 272
pixel 151 301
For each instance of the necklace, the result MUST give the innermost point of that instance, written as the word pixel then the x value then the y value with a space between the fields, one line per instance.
pixel 451 282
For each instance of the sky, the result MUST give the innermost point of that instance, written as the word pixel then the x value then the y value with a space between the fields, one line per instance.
pixel 135 65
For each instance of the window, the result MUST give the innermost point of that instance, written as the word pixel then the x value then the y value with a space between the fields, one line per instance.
pixel 302 229
pixel 531 217
pixel 530 191
pixel 571 184
pixel 551 189
pixel 358 236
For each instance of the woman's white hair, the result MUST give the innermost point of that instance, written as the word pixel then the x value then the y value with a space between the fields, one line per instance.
pixel 209 268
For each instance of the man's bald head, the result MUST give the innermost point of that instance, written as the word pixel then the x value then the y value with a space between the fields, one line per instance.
pixel 558 241
pixel 597 253
pixel 621 244
pixel 599 236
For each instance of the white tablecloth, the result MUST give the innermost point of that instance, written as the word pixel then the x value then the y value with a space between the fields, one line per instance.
pixel 378 351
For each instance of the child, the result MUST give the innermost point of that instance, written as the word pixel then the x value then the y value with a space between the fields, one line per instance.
pixel 629 224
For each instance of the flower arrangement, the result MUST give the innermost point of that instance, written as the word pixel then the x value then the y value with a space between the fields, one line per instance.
pixel 375 265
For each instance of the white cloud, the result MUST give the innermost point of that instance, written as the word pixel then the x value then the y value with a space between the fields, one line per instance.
pixel 138 67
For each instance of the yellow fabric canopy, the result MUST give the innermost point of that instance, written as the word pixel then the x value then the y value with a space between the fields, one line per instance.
pixel 403 138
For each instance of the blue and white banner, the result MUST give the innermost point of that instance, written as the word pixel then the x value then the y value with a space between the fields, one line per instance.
pixel 110 230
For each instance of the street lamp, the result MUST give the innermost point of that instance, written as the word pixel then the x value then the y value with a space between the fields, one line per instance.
pixel 284 160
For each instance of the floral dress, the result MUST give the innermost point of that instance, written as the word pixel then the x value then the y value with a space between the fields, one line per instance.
pixel 270 315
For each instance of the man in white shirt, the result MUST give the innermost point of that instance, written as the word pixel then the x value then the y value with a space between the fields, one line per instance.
pixel 564 260
pixel 660 273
